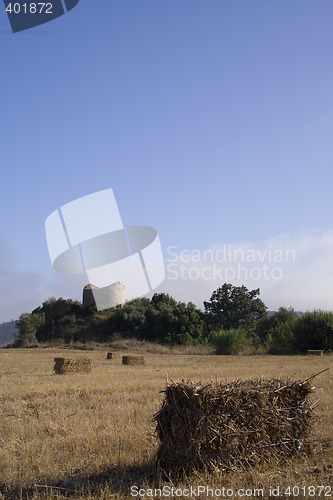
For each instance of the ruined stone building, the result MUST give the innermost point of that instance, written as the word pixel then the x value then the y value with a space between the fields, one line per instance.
pixel 104 298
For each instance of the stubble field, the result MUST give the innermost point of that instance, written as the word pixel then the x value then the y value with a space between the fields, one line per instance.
pixel 91 436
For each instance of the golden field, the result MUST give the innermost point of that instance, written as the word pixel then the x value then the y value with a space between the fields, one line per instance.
pixel 91 435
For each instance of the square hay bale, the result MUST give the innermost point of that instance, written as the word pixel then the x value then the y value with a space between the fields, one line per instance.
pixel 231 426
pixel 109 355
pixel 72 365
pixel 315 352
pixel 133 360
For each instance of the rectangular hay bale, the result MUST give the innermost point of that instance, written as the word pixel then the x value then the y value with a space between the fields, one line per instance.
pixel 72 365
pixel 231 426
pixel 133 360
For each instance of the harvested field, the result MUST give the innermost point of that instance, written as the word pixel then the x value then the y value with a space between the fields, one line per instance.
pixel 92 437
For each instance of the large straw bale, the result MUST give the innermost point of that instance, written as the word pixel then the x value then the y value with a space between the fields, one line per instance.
pixel 133 360
pixel 231 426
pixel 72 365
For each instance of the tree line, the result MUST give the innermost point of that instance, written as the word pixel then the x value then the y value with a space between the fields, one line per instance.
pixel 235 319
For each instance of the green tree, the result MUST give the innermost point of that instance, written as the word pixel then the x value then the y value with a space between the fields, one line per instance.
pixel 131 320
pixel 282 315
pixel 172 322
pixel 268 323
pixel 60 315
pixel 281 338
pixel 27 325
pixel 314 330
pixel 233 307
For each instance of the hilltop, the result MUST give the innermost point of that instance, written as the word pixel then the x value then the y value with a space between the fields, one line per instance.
pixel 7 332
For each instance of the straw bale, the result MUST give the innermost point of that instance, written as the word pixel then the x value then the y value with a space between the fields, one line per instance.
pixel 109 355
pixel 315 352
pixel 133 360
pixel 72 365
pixel 231 426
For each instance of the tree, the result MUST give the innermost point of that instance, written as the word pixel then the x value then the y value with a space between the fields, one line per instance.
pixel 281 338
pixel 60 314
pixel 27 325
pixel 130 320
pixel 161 319
pixel 272 322
pixel 233 307
pixel 174 322
pixel 282 315
pixel 314 330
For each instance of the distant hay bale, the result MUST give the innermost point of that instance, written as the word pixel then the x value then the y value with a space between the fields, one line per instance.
pixel 231 426
pixel 133 360
pixel 315 352
pixel 109 355
pixel 70 365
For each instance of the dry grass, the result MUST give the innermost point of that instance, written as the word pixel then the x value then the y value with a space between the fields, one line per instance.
pixel 143 347
pixel 93 433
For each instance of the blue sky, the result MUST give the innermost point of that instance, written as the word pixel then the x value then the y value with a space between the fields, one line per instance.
pixel 211 120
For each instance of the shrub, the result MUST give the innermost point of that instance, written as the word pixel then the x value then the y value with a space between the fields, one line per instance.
pixel 230 341
pixel 266 325
pixel 314 330
pixel 281 338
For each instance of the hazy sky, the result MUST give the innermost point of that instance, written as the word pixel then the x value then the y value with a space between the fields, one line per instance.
pixel 212 120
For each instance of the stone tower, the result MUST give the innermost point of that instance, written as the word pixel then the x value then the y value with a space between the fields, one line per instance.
pixel 104 298
pixel 88 296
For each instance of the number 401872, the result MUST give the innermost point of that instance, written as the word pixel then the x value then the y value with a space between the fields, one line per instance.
pixel 33 8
